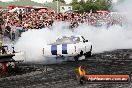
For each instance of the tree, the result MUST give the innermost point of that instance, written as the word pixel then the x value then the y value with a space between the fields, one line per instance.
pixel 78 8
pixel 89 5
pixel 63 1
pixel 74 2
pixel 82 2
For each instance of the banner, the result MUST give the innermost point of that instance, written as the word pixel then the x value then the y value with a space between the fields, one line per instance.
pixel 65 8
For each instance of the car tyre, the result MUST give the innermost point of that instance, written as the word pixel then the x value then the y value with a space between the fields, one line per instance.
pixel 88 54
pixel 76 58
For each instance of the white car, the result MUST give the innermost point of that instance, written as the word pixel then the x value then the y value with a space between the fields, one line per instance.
pixel 68 46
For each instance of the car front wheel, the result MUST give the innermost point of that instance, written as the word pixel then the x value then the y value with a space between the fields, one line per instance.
pixel 76 58
pixel 88 54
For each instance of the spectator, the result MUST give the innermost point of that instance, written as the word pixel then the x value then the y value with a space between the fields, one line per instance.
pixel 22 21
pixel 13 31
pixel 8 30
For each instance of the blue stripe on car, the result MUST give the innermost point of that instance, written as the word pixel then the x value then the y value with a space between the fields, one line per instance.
pixel 64 48
pixel 54 49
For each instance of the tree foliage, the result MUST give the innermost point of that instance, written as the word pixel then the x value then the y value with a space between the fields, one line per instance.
pixel 63 1
pixel 89 5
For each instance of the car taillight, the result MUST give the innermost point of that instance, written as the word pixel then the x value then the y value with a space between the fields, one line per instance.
pixel 75 48
pixel 43 50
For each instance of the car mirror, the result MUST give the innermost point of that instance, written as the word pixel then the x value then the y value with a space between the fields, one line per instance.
pixel 86 40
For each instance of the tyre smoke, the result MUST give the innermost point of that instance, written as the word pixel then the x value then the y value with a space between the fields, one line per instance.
pixel 103 38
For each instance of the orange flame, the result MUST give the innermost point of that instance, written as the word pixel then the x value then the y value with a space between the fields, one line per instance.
pixel 81 71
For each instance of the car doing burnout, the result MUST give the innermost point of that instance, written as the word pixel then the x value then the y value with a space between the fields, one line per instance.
pixel 68 46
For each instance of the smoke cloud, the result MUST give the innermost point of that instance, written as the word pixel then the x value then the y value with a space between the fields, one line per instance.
pixel 103 39
pixel 32 42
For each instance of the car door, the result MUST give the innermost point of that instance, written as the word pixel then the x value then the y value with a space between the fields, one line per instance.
pixel 81 46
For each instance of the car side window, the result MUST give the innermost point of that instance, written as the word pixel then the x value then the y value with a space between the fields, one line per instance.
pixel 76 39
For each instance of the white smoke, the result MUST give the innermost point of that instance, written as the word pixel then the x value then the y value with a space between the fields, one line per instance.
pixel 124 8
pixel 103 39
pixel 33 41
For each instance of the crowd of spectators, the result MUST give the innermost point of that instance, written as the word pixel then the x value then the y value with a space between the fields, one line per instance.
pixel 12 23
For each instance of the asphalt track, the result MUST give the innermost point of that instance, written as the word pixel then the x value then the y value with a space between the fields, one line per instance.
pixel 63 75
